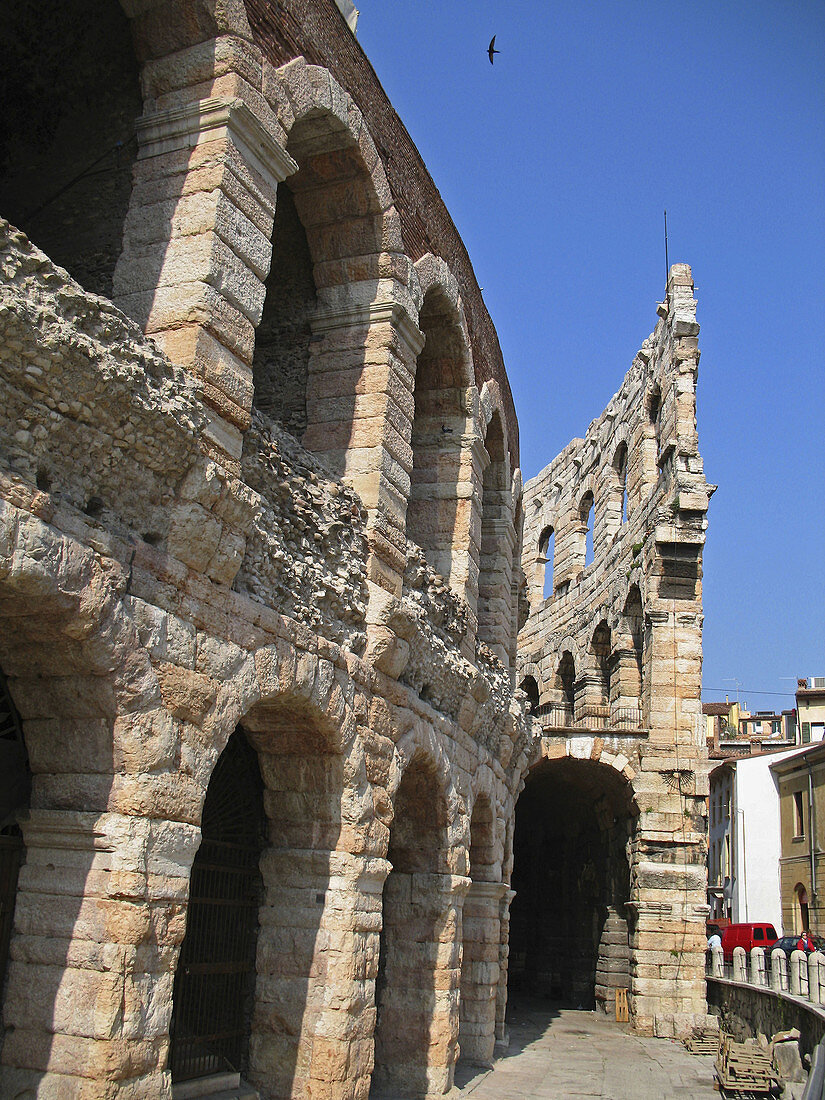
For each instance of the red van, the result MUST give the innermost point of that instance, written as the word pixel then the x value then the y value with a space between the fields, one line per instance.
pixel 748 936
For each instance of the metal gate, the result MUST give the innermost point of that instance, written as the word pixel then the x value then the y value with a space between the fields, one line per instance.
pixel 215 981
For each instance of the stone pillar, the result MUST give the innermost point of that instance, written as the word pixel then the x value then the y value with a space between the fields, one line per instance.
pixel 590 700
pixel 799 973
pixel 312 1031
pixel 495 618
pixel 626 689
pixel 197 248
pixel 480 971
pixel 816 984
pixel 758 973
pixel 417 1029
pixel 502 1034
pixel 98 924
pixel 740 964
pixel 667 957
pixel 359 415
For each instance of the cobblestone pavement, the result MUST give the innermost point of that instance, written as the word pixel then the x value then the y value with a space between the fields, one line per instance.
pixel 560 1053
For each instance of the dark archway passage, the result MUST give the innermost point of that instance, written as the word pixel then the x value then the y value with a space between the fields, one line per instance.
pixel 568 926
pixel 15 790
pixel 70 87
pixel 215 981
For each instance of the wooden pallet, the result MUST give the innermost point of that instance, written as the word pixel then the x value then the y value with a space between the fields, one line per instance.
pixel 702 1041
pixel 622 1010
pixel 744 1070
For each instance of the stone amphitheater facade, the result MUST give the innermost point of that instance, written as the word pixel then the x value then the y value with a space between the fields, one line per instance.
pixel 262 588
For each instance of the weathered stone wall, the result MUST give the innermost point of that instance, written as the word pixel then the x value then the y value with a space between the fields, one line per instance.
pixel 175 563
pixel 615 647
pixel 748 1012
pixel 153 600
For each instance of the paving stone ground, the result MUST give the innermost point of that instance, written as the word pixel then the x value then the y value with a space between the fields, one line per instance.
pixel 556 1053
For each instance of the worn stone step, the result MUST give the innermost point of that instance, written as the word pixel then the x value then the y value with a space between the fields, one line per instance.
pixel 220 1086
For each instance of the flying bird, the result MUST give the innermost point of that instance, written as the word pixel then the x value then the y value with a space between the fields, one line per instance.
pixel 491 49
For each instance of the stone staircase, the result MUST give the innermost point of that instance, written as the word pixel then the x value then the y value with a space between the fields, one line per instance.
pixel 221 1086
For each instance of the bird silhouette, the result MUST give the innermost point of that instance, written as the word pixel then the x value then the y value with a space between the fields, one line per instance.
pixel 491 49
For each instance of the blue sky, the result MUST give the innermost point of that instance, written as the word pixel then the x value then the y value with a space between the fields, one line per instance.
pixel 556 165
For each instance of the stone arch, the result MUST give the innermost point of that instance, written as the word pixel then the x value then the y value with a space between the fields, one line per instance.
pixel 66 169
pixel 801 913
pixel 497 544
pixel 530 686
pixel 481 931
pixel 416 1029
pixel 574 819
pixel 439 511
pixel 585 528
pixel 214 992
pixel 651 432
pixel 619 466
pixel 187 23
pixel 336 223
pixel 82 683
pixel 544 576
pixel 433 275
pixel 564 686
pixel 628 659
pixel 595 681
pixel 297 721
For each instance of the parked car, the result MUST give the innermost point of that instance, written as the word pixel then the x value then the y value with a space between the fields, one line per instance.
pixel 804 942
pixel 749 935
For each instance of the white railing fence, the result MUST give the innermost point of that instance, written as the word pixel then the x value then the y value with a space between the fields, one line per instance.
pixel 802 975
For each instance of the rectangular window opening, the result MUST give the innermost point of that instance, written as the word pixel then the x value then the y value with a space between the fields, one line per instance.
pixel 799 818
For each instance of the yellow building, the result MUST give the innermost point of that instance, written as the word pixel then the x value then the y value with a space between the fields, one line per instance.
pixel 801 782
pixel 810 705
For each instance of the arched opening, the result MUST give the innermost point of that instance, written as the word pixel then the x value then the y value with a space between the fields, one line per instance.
pixel 309 365
pixel 282 339
pixel 433 519
pixel 214 987
pixel 481 934
pixel 598 689
pixel 568 930
pixel 414 1036
pixel 650 432
pixel 546 551
pixel 496 547
pixel 531 688
pixel 654 406
pixel 801 912
pixel 15 792
pixel 620 474
pixel 304 985
pixel 565 686
pixel 255 969
pixel 628 662
pixel 586 534
pixel 70 88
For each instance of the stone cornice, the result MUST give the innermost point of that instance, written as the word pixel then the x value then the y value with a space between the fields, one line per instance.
pixel 182 128
pixel 375 313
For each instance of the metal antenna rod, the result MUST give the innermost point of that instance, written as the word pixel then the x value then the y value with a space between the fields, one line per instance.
pixel 667 265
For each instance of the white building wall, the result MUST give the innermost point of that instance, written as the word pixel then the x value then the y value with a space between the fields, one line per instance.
pixel 756 840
